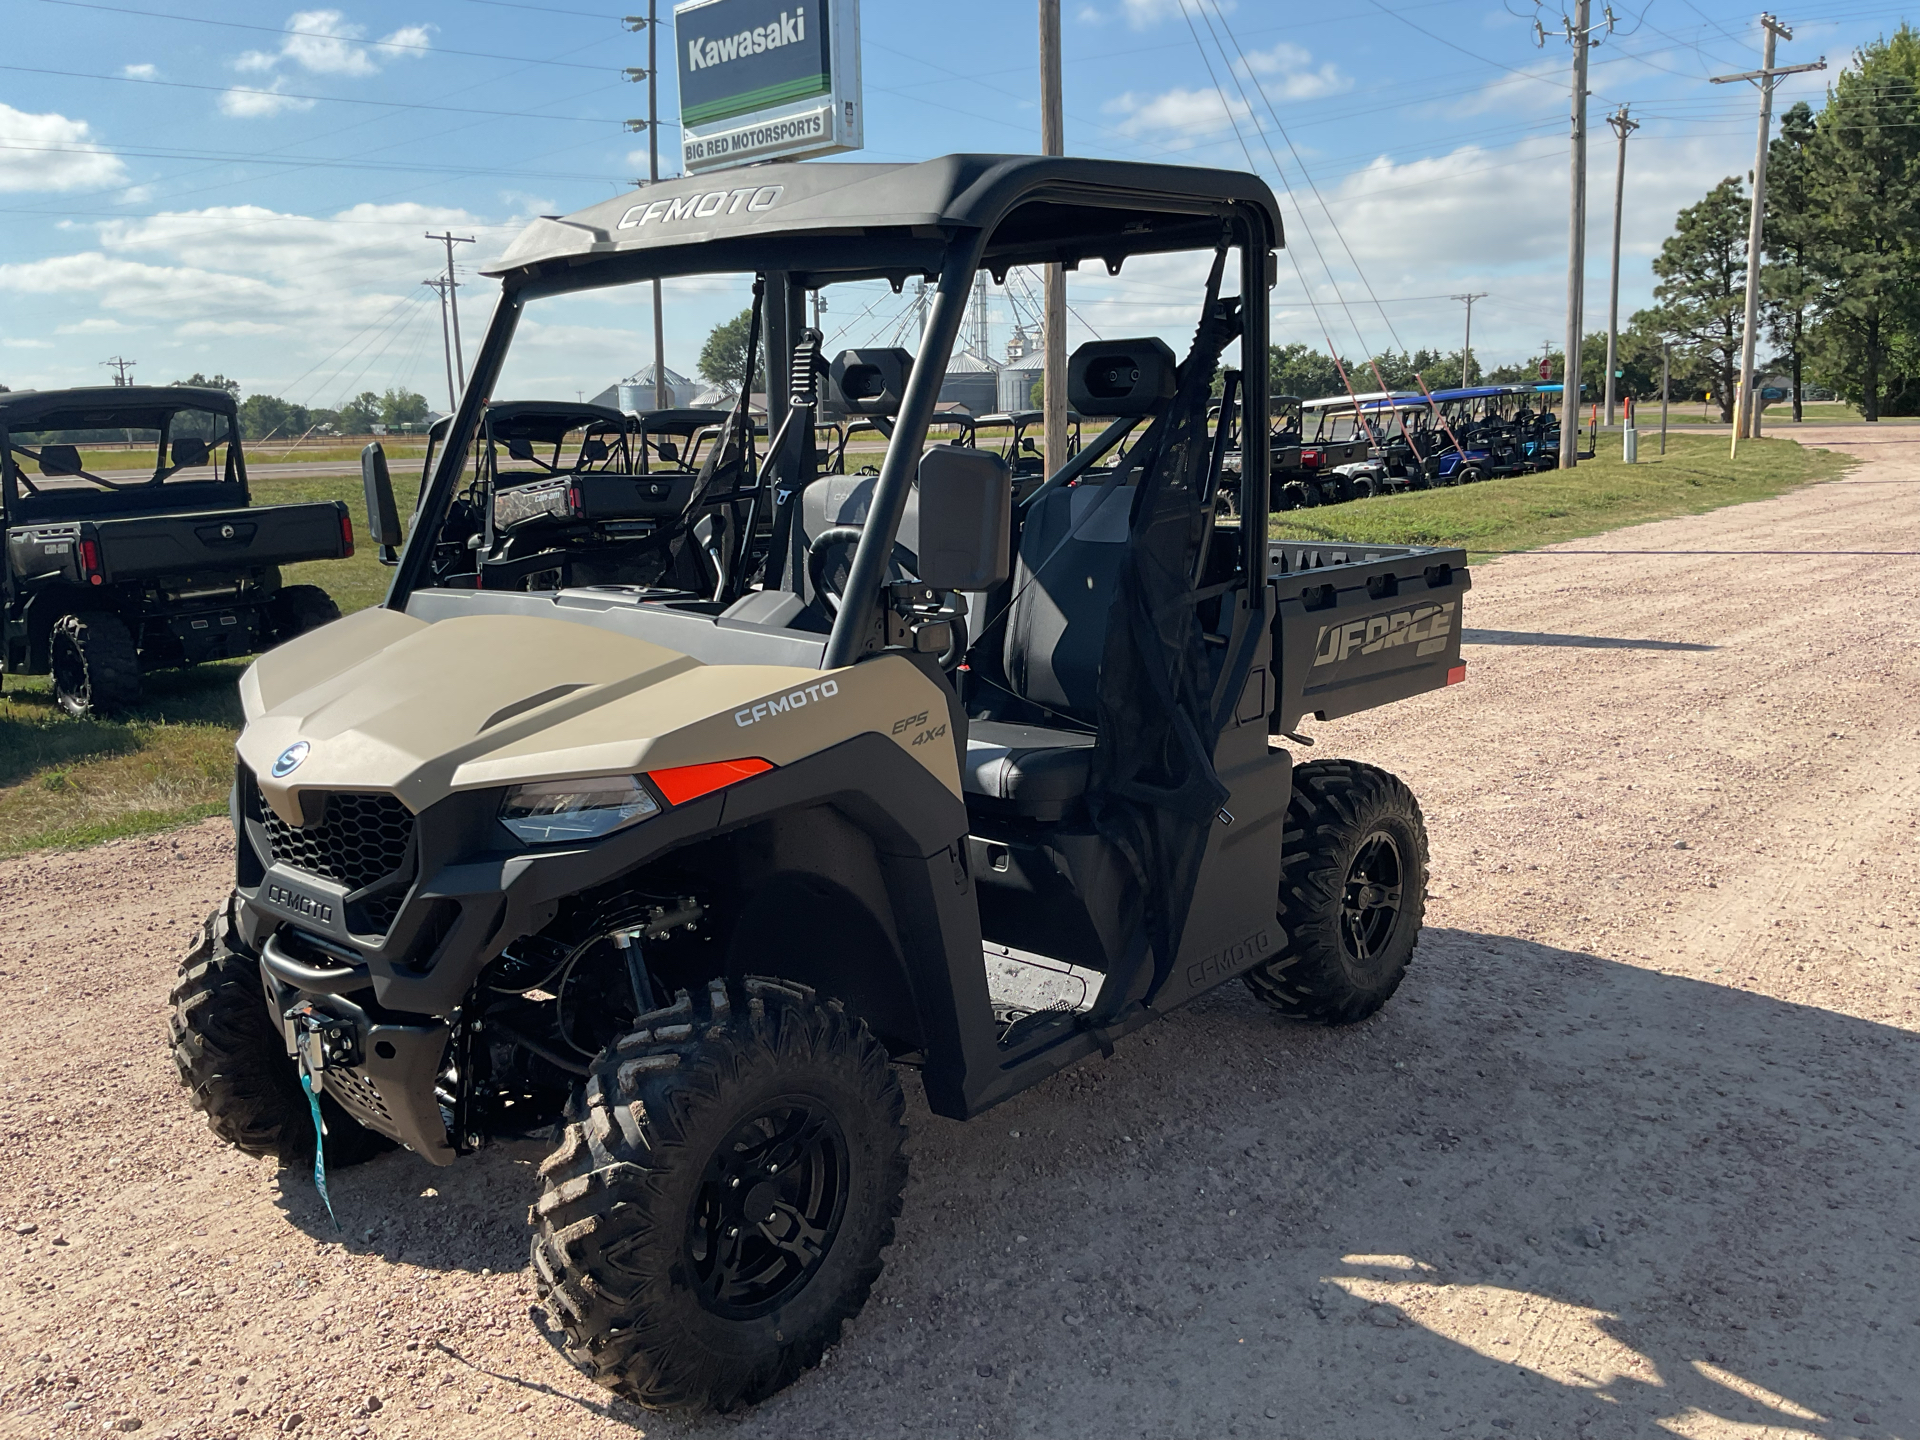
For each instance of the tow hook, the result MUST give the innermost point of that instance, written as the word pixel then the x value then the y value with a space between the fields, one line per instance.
pixel 320 1040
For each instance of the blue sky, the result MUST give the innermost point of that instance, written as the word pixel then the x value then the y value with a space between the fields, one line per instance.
pixel 245 188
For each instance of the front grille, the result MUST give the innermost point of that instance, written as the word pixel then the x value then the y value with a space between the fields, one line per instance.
pixel 359 840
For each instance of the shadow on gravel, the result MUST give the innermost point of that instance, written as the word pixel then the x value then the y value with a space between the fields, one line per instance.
pixel 1540 1194
pixel 1578 642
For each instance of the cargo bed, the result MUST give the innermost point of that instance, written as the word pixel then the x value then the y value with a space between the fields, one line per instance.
pixel 1356 626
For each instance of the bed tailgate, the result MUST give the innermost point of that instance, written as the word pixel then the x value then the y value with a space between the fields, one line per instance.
pixel 1356 626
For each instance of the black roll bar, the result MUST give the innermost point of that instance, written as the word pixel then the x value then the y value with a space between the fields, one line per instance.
pixel 854 631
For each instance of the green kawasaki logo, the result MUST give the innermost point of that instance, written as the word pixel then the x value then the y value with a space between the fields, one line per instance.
pixel 790 28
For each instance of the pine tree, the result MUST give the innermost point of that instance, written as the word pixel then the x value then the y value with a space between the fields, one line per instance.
pixel 1702 268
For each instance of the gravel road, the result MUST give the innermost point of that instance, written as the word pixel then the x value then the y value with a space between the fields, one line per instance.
pixel 1632 1153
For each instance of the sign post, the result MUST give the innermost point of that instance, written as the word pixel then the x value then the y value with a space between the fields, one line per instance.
pixel 767 80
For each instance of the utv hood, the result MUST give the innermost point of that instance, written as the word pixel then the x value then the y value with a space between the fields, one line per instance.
pixel 384 701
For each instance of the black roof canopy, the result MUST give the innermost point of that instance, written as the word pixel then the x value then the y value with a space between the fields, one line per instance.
pixel 800 216
pixel 108 407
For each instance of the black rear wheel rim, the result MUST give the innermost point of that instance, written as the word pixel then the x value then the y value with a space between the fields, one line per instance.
pixel 1370 899
pixel 768 1208
pixel 69 671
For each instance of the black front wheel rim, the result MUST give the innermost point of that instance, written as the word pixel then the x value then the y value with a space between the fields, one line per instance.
pixel 768 1208
pixel 1370 900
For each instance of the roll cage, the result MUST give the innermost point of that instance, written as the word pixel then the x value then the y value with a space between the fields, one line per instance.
pixel 799 227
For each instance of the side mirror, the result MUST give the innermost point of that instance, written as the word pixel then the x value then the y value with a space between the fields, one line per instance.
pixel 669 452
pixel 519 448
pixel 189 452
pixel 966 519
pixel 383 517
pixel 1029 446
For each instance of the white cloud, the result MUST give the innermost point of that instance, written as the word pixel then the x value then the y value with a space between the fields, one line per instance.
pixel 141 72
pixel 371 245
pixel 325 42
pixel 1179 112
pixel 51 152
pixel 245 102
pixel 1287 72
pixel 1143 14
pixel 96 325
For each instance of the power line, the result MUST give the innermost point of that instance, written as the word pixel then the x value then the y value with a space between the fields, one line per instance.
pixel 306 34
pixel 294 95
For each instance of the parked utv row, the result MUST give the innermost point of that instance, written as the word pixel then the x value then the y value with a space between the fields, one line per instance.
pixel 1350 447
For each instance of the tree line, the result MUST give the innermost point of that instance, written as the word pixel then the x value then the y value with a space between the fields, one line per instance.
pixel 264 417
pixel 1840 264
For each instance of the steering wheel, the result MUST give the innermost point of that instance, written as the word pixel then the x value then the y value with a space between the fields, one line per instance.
pixel 829 576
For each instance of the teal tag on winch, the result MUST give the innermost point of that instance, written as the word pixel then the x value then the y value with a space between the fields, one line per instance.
pixel 319 1147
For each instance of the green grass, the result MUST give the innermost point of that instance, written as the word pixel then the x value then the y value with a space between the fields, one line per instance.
pixel 1524 511
pixel 67 783
pixel 1778 418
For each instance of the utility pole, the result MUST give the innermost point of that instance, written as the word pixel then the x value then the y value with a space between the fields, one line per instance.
pixel 119 368
pixel 1764 77
pixel 439 287
pixel 650 22
pixel 1623 127
pixel 1579 34
pixel 1466 350
pixel 453 299
pixel 1666 370
pixel 1053 142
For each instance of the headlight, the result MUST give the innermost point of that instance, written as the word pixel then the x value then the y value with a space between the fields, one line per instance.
pixel 548 812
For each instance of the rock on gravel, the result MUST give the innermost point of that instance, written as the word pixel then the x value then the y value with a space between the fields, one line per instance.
pixel 1632 1153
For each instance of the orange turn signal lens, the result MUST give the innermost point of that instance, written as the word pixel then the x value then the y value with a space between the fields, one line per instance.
pixel 689 782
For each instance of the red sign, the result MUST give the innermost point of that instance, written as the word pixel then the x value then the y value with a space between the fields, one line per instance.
pixel 1546 369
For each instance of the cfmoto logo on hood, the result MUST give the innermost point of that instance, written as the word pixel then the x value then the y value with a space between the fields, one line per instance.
pixel 290 759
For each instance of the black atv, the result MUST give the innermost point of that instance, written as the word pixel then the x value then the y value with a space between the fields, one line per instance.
pixel 131 544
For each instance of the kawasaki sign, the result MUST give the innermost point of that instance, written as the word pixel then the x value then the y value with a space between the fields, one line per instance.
pixel 767 79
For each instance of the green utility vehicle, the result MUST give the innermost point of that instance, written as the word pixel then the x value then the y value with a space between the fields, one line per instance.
pixel 692 847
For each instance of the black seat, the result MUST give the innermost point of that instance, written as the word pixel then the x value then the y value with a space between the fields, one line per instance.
pixel 1055 639
pixel 1027 770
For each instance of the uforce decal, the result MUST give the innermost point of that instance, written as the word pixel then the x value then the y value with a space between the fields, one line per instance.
pixel 701 207
pixel 780 704
pixel 299 904
pixel 1424 626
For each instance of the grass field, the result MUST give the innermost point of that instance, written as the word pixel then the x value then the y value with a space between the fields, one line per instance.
pixel 1523 511
pixel 66 782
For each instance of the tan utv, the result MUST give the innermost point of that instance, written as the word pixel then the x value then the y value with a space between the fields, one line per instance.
pixel 687 807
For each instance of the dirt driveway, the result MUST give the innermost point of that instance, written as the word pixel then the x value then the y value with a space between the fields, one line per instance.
pixel 1633 1152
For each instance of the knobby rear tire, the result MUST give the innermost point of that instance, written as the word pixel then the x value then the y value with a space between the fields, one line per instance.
pixel 296 609
pixel 1338 810
pixel 616 1250
pixel 95 664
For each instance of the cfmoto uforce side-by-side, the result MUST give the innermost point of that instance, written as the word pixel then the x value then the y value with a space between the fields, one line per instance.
pixel 678 808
